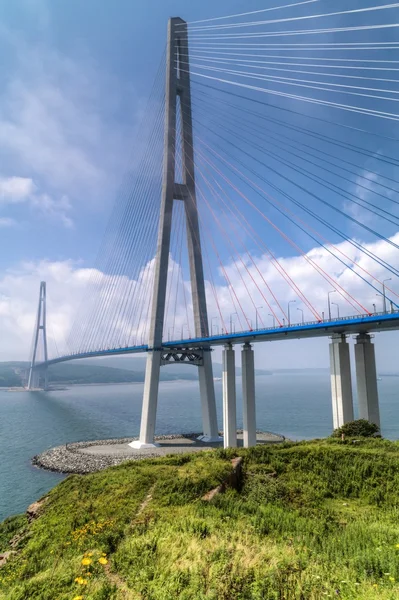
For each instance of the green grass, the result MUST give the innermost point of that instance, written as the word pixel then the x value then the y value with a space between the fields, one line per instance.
pixel 312 520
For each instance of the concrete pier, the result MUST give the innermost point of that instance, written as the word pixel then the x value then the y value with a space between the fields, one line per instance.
pixel 208 403
pixel 341 383
pixel 248 395
pixel 229 398
pixel 366 379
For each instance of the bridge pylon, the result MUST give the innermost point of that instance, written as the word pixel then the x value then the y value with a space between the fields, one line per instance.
pixel 38 374
pixel 178 98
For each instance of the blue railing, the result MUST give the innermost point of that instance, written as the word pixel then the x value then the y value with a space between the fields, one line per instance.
pixel 374 322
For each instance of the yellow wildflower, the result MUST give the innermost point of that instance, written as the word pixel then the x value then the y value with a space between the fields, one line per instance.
pixel 78 598
pixel 86 562
pixel 81 581
pixel 102 560
pixel 392 579
pixel 397 546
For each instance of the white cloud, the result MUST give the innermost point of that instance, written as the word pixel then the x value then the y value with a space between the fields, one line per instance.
pixel 58 121
pixel 7 222
pixel 67 287
pixel 15 189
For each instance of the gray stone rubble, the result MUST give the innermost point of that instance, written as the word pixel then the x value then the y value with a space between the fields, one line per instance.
pixel 87 457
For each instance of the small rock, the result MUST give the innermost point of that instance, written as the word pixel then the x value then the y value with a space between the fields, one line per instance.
pixel 5 556
pixel 33 511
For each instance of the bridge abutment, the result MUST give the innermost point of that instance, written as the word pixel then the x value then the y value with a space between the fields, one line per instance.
pixel 341 382
pixel 229 398
pixel 248 395
pixel 366 379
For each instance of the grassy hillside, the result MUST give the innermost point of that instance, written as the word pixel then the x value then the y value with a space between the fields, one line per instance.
pixel 312 520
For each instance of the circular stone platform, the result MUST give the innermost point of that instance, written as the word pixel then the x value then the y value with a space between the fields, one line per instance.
pixel 88 457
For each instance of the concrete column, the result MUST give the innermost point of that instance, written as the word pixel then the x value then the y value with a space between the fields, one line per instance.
pixel 208 403
pixel 341 383
pixel 150 402
pixel 229 398
pixel 248 395
pixel 366 379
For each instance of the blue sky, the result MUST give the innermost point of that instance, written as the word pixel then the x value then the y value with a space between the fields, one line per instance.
pixel 74 81
pixel 101 59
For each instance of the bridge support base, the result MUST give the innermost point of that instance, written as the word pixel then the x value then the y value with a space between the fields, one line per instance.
pixel 341 383
pixel 38 379
pixel 150 401
pixel 208 403
pixel 248 395
pixel 229 398
pixel 366 379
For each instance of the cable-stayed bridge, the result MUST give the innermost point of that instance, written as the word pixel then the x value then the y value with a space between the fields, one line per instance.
pixel 261 205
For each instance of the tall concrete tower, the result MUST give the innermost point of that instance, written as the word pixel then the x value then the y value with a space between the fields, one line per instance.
pixel 38 376
pixel 178 97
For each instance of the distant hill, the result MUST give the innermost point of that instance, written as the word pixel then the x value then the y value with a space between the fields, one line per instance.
pixel 69 373
pixel 114 369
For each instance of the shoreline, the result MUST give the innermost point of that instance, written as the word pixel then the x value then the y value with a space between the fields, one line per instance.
pixel 88 456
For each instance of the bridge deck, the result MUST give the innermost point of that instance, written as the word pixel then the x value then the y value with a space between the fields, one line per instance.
pixel 344 325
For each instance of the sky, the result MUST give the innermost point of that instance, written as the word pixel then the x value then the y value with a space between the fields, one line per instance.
pixel 74 83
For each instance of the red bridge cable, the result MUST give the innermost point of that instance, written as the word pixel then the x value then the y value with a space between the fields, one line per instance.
pixel 213 287
pixel 282 272
pixel 288 211
pixel 217 195
pixel 324 274
pixel 229 284
pixel 286 276
pixel 221 228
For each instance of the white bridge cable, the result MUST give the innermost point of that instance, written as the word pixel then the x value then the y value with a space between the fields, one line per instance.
pixel 265 139
pixel 303 82
pixel 206 48
pixel 213 104
pixel 106 278
pixel 107 252
pixel 204 54
pixel 296 32
pixel 302 115
pixel 264 68
pixel 346 107
pixel 298 18
pixel 248 58
pixel 252 12
pixel 302 45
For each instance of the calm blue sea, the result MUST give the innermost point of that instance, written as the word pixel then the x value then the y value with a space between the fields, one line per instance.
pixel 294 404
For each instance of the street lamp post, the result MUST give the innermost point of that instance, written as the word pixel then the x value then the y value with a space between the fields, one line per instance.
pixel 274 319
pixel 374 307
pixel 256 316
pixel 301 310
pixel 231 321
pixel 335 304
pixel 289 315
pixel 381 296
pixel 329 304
pixel 213 318
pixel 384 295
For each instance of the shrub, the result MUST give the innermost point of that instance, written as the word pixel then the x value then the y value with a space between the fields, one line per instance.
pixel 359 428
